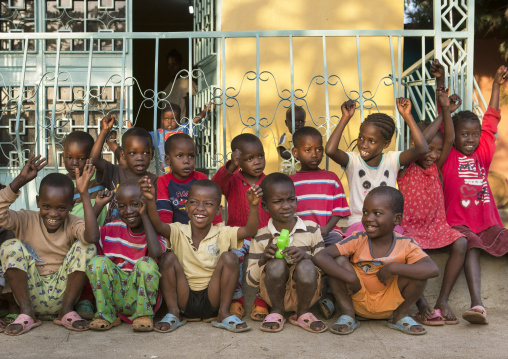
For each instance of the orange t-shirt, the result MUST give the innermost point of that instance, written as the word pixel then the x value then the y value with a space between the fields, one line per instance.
pixel 358 246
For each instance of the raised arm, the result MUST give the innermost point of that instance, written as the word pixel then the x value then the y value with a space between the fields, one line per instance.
pixel 448 105
pixel 332 146
pixel 101 200
pixel 106 126
pixel 152 240
pixel 148 191
pixel 437 70
pixel 92 234
pixel 253 195
pixel 29 172
pixel 499 79
pixel 421 147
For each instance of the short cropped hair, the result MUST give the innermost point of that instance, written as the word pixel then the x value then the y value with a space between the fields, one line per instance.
pixel 298 109
pixel 58 180
pixel 137 132
pixel 396 200
pixel 172 140
pixel 244 138
pixel 274 178
pixel 206 183
pixel 130 182
pixel 464 116
pixel 172 107
pixel 80 137
pixel 303 132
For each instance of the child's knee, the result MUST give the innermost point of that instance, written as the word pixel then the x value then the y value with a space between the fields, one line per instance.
pixel 167 260
pixel 306 272
pixel 146 265
pixel 88 251
pixel 12 245
pixel 460 246
pixel 343 261
pixel 229 259
pixel 277 269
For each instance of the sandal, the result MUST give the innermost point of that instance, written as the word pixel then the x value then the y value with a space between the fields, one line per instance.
pixel 435 319
pixel 305 320
pixel 142 324
pixel 326 307
pixel 69 319
pixel 85 309
pixel 173 321
pixel 258 313
pixel 273 318
pixel 230 324
pixel 237 309
pixel 348 321
pixel 102 324
pixel 476 315
pixel 26 322
pixel 10 318
pixel 404 325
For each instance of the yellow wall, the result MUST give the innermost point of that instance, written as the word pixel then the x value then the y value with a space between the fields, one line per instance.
pixel 241 15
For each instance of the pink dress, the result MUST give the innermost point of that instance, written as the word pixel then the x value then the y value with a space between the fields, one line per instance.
pixel 424 214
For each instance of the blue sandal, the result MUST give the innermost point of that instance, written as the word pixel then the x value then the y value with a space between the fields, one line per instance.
pixel 326 307
pixel 404 325
pixel 351 323
pixel 171 320
pixel 230 324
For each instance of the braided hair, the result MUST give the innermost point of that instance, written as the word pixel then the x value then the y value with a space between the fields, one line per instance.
pixel 464 116
pixel 382 121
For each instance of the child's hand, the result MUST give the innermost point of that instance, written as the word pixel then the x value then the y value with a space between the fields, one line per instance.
pixel 455 102
pixel 83 180
pixel 103 198
pixel 404 106
pixel 235 157
pixel 107 123
pixel 147 189
pixel 142 207
pixel 324 232
pixel 501 75
pixel 348 109
pixel 353 288
pixel 442 97
pixel 31 168
pixel 254 195
pixel 436 69
pixel 384 274
pixel 295 255
pixel 269 253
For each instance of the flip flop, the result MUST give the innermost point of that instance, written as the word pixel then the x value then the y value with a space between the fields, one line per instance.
pixel 273 318
pixel 173 321
pixel 257 310
pixel 67 321
pixel 404 325
pixel 345 320
pixel 85 309
pixel 326 307
pixel 100 324
pixel 476 315
pixel 26 322
pixel 10 318
pixel 452 322
pixel 305 320
pixel 142 324
pixel 435 319
pixel 230 324
pixel 237 309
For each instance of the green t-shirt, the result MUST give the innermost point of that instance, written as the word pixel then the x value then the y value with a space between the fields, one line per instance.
pixel 93 189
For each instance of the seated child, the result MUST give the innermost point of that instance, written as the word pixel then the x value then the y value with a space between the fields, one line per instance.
pixel 292 283
pixel 125 275
pixel 370 167
pixel 137 151
pixel 173 187
pixel 45 266
pixel 386 272
pixel 13 307
pixel 199 275
pixel 244 170
pixel 284 145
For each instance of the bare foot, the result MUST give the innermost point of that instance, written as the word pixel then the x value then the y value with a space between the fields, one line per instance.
pixel 270 325
pixel 424 309
pixel 446 311
pixel 78 324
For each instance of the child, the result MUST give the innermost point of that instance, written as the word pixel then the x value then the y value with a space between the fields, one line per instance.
pixel 386 272
pixel 244 170
pixel 469 204
pixel 137 151
pixel 284 145
pixel 173 188
pixel 292 283
pixel 170 123
pixel 370 167
pixel 199 275
pixel 45 267
pixel 125 276
pixel 13 307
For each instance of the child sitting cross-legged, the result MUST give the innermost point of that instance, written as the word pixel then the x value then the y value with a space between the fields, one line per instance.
pixel 199 275
pixel 125 276
pixel 385 273
pixel 45 266
pixel 292 283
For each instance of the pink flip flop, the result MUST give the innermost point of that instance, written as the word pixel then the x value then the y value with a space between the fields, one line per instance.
pixel 273 318
pixel 476 315
pixel 435 319
pixel 67 321
pixel 305 320
pixel 26 322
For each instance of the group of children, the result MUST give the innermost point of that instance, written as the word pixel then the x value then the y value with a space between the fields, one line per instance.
pixel 162 239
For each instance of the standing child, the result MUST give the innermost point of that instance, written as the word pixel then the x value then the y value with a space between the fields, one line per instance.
pixel 284 146
pixel 199 275
pixel 125 276
pixel 244 170
pixel 370 167
pixel 292 283
pixel 386 272
pixel 469 204
pixel 45 266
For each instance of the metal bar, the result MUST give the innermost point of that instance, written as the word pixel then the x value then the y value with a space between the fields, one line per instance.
pixel 423 78
pixel 438 41
pixel 400 134
pixel 190 114
pixel 88 79
pixel 257 87
pixel 156 105
pixel 470 56
pixel 55 94
pixel 224 134
pixel 360 88
pixel 122 87
pixel 327 99
pixel 394 80
pixel 292 74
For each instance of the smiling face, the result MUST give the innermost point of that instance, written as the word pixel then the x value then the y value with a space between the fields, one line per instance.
pixel 467 136
pixel 181 158
pixel 309 151
pixel 54 205
pixel 75 156
pixel 203 204
pixel 378 217
pixel 137 154
pixel 280 202
pixel 434 154
pixel 252 161
pixel 168 120
pixel 128 201
pixel 371 144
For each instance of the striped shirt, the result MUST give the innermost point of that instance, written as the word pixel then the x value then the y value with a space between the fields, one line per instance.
pixel 305 235
pixel 320 196
pixel 122 246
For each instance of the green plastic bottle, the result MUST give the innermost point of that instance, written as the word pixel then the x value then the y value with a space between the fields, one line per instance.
pixel 282 243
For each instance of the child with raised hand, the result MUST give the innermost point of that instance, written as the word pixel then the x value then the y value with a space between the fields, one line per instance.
pixel 370 167
pixel 45 266
pixel 137 151
pixel 199 275
pixel 244 170
pixel 173 188
pixel 377 273
pixel 292 283
pixel 125 275
pixel 469 205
